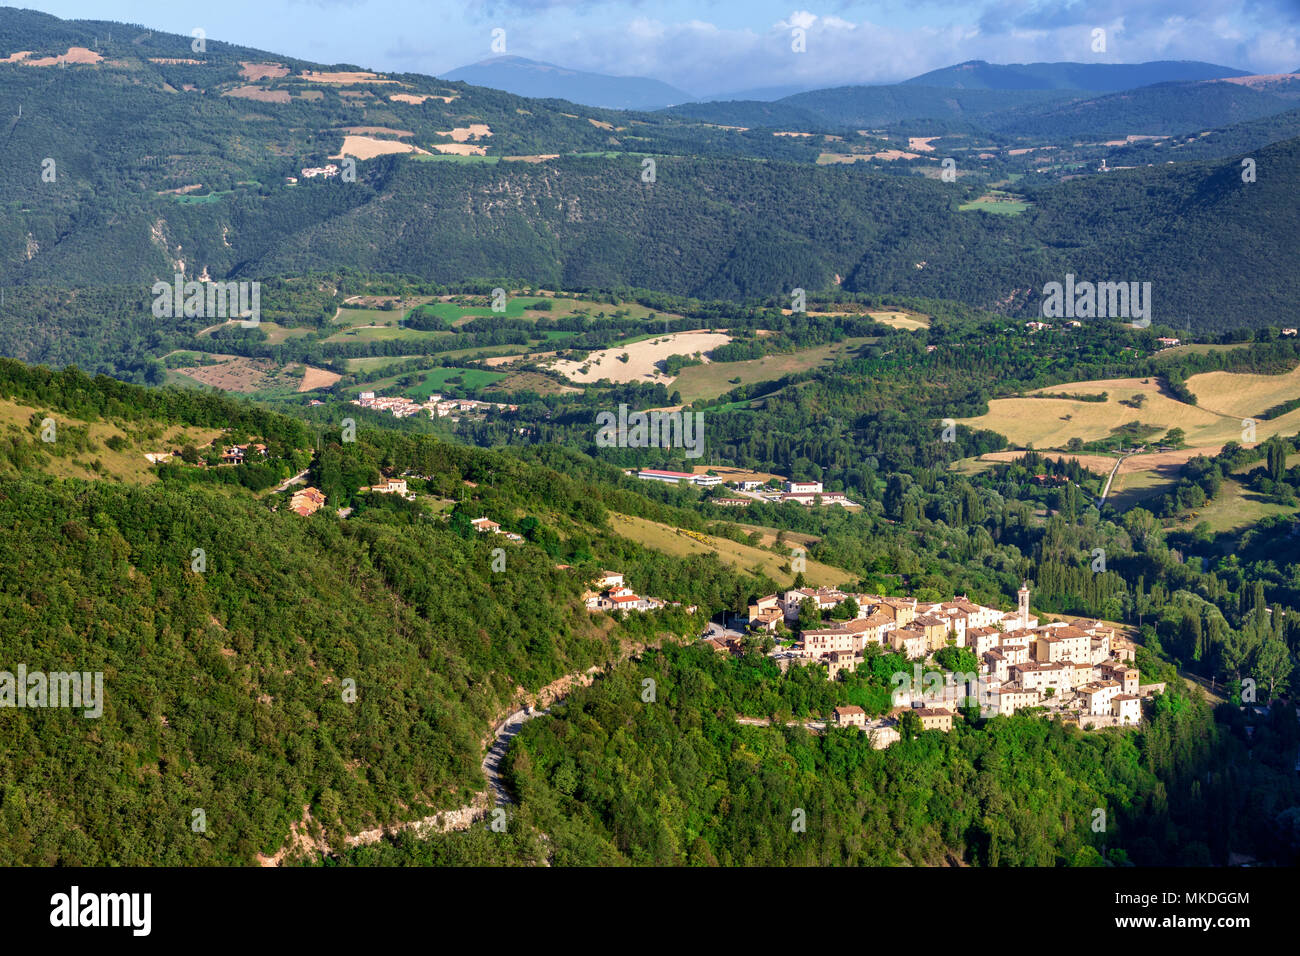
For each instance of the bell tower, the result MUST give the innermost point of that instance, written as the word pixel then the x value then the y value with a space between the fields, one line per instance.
pixel 1023 595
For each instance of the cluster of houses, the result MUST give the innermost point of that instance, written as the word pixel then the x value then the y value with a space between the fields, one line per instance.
pixel 610 593
pixel 1080 672
pixel 444 408
pixel 401 407
pixel 800 492
pixel 328 171
pixel 1044 326
pixel 306 501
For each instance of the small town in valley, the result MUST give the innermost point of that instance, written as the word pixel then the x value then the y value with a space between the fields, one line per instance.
pixel 774 490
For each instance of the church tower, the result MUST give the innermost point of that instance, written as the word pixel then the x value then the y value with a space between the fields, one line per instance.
pixel 1023 594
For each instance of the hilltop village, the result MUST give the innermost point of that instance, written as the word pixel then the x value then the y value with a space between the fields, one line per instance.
pixel 1082 673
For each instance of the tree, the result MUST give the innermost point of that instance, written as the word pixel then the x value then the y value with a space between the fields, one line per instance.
pixel 1272 663
pixel 909 725
pixel 810 615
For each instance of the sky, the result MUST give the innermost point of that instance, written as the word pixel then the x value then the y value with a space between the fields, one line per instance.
pixel 707 47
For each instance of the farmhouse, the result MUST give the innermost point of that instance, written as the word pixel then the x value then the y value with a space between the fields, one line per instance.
pixel 850 716
pixel 235 454
pixel 389 486
pixel 482 525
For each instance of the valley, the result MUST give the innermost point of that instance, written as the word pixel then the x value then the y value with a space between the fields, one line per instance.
pixel 508 464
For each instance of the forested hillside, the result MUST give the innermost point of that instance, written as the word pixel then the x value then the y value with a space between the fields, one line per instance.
pixel 186 173
pixel 227 685
pixel 616 780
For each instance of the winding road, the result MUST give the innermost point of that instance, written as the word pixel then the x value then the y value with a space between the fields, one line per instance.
pixel 505 732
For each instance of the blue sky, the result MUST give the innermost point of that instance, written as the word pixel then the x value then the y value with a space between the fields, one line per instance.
pixel 711 46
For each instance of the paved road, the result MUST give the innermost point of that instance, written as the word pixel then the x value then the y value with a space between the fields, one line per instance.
pixel 767 722
pixel 505 733
pixel 1106 491
pixel 290 481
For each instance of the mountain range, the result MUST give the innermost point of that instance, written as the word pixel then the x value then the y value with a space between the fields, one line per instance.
pixel 525 77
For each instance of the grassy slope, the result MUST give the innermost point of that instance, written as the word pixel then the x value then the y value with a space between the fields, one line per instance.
pixel 663 538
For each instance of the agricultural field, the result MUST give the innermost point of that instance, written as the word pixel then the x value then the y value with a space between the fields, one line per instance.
pixel 530 382
pixel 1244 395
pixel 1235 509
pixel 696 382
pixel 895 318
pixel 1052 422
pixel 238 374
pixel 996 201
pixel 908 321
pixel 375 363
pixel 671 541
pixel 643 357
pixel 367 333
pixel 432 380
pixel 1139 479
pixel 1165 355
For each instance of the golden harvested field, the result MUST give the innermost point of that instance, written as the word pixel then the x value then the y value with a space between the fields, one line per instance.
pixel 1052 422
pixel 1043 421
pixel 1244 395
pixel 462 134
pixel 661 537
pixel 314 378
pixel 899 319
pixel 642 356
pixel 358 76
pixel 368 147
pixel 75 54
pixel 910 321
pixel 1101 464
pixel 261 71
pixel 415 99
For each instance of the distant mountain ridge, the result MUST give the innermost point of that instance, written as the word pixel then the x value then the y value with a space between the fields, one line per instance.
pixel 533 78
pixel 1095 77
